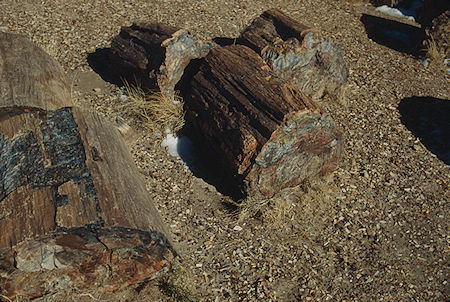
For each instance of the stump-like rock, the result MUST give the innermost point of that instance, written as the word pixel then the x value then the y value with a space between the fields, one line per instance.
pixel 296 53
pixel 268 134
pixel 248 104
pixel 74 210
pixel 156 54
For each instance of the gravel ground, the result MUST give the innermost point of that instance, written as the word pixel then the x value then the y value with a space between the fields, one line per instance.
pixel 376 230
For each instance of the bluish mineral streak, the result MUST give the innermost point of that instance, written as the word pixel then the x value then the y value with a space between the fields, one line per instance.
pixel 22 158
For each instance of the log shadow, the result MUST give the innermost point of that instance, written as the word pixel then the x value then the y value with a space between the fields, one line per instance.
pixel 428 119
pixel 113 69
pixel 205 164
pixel 399 36
pixel 102 62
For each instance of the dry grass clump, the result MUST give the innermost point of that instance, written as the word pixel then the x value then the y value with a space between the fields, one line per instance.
pixel 178 285
pixel 435 53
pixel 154 109
pixel 15 299
pixel 5 298
pixel 299 208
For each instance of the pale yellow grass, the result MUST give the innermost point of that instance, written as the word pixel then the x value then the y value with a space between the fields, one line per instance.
pixel 179 284
pixel 298 208
pixel 435 53
pixel 154 110
pixel 15 299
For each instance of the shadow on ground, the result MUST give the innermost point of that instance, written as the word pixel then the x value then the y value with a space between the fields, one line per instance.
pixel 428 119
pixel 111 68
pixel 101 61
pixel 396 35
pixel 204 164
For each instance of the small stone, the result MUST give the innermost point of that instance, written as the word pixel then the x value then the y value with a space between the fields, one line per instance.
pixel 123 98
pixel 199 265
pixel 97 89
pixel 237 228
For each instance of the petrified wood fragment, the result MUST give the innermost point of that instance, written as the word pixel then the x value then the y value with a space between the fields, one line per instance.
pixel 74 211
pixel 29 76
pixel 267 134
pixel 156 54
pixel 297 53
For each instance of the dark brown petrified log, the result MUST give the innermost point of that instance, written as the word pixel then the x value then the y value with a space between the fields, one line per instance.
pixel 156 54
pixel 268 135
pixel 296 53
pixel 74 211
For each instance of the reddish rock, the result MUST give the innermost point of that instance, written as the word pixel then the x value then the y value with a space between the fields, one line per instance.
pixel 107 259
pixel 296 53
pixel 74 210
pixel 267 134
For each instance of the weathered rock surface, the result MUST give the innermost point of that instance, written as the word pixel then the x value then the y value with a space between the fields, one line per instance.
pixel 74 211
pixel 156 54
pixel 296 53
pixel 268 134
pixel 29 76
pixel 107 259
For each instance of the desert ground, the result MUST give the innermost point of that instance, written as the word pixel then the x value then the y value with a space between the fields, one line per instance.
pixel 376 229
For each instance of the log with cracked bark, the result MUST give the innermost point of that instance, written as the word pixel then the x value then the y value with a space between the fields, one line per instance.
pixel 249 107
pixel 297 53
pixel 267 134
pixel 155 54
pixel 74 211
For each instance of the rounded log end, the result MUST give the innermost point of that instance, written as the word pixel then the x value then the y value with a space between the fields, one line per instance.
pixel 306 144
pixel 108 259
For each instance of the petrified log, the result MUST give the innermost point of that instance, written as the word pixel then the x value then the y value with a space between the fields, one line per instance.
pixel 297 53
pixel 29 76
pixel 156 54
pixel 268 135
pixel 74 211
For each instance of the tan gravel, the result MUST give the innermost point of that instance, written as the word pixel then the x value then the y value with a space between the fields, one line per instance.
pixel 381 231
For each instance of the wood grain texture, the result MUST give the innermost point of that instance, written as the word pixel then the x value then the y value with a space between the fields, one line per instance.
pixel 296 53
pixel 74 210
pixel 236 105
pixel 29 77
pixel 156 54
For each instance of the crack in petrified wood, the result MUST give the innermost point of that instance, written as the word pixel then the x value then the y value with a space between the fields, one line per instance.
pixel 47 158
pixel 114 257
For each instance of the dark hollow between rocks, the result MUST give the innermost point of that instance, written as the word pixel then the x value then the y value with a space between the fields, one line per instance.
pixel 428 119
